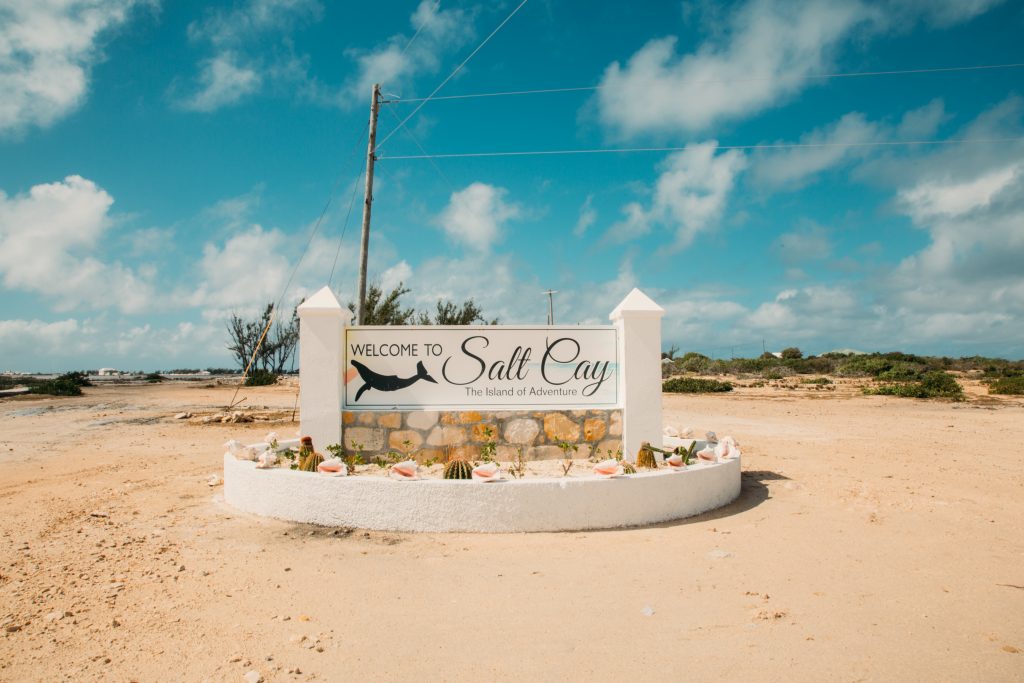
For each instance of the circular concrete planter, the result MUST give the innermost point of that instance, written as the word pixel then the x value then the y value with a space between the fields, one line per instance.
pixel 541 504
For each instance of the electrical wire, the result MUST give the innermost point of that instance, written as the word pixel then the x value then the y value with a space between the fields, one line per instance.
pixel 344 227
pixel 416 35
pixel 451 75
pixel 588 88
pixel 433 163
pixel 766 146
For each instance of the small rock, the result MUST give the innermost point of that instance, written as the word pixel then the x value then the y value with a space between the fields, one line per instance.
pixel 253 677
pixel 296 638
pixel 181 568
pixel 647 611
pixel 214 480
pixel 183 416
pixel 718 554
pixel 99 513
pixel 13 628
pixel 234 659
pixel 54 616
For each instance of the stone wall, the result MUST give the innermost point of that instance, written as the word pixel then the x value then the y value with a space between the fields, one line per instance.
pixel 432 435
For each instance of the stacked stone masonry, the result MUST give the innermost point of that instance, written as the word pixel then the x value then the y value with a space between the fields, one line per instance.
pixel 438 435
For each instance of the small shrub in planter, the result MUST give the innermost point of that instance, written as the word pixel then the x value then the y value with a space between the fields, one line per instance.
pixel 1007 385
pixel 260 378
pixel 695 385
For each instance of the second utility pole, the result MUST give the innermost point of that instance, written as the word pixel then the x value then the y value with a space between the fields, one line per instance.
pixel 364 244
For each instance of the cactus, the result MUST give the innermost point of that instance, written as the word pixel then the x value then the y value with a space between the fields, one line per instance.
pixel 458 469
pixel 627 468
pixel 645 457
pixel 308 458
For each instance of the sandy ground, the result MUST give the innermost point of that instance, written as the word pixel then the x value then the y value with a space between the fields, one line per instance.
pixel 876 538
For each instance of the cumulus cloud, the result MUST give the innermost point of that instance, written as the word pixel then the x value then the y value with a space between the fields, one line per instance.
pixel 475 216
pixel 764 53
pixel 49 238
pixel 244 274
pixel 588 216
pixel 810 242
pixel 240 65
pixel 689 196
pixel 396 61
pixel 47 50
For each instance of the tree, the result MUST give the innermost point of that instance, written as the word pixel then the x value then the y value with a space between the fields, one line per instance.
pixel 792 353
pixel 276 350
pixel 671 353
pixel 387 309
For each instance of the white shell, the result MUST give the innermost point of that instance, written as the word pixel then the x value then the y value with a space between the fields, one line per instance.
pixel 608 468
pixel 675 461
pixel 247 453
pixel 271 436
pixel 670 431
pixel 233 446
pixel 334 467
pixel 726 448
pixel 266 460
pixel 407 469
pixel 686 432
pixel 711 437
pixel 707 454
pixel 489 471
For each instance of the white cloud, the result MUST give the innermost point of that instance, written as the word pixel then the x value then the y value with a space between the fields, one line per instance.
pixel 222 81
pixel 247 272
pixel 588 215
pixel 765 58
pixel 760 56
pixel 240 65
pixel 475 216
pixel 395 275
pixel 396 61
pixel 35 338
pixel 689 196
pixel 931 199
pixel 46 52
pixel 811 242
pixel 48 240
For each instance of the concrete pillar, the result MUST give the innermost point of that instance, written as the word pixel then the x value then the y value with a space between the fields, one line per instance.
pixel 639 322
pixel 322 321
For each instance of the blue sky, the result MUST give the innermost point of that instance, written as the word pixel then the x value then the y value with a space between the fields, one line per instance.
pixel 162 164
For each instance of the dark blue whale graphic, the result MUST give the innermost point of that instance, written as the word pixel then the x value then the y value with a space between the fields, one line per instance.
pixel 388 382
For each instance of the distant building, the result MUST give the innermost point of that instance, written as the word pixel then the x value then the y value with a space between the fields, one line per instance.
pixel 108 372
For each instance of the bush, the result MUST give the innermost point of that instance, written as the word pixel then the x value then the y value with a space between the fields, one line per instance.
pixel 61 386
pixel 900 372
pixel 935 384
pixel 154 377
pixel 792 352
pixel 694 362
pixel 261 378
pixel 864 366
pixel 1007 385
pixel 816 380
pixel 695 385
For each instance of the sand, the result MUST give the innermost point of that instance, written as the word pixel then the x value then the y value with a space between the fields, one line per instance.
pixel 875 538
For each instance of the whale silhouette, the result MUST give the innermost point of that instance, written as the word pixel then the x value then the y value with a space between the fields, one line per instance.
pixel 388 382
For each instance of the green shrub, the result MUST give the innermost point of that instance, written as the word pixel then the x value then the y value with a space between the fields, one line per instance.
pixel 864 366
pixel 816 380
pixel 935 384
pixel 154 377
pixel 1007 385
pixel 694 385
pixel 900 372
pixel 694 362
pixel 792 353
pixel 62 386
pixel 260 378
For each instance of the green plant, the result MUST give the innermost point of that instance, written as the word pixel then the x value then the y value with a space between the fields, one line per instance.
pixel 1007 385
pixel 567 448
pixel 792 353
pixel 518 466
pixel 490 447
pixel 934 384
pixel 458 469
pixel 260 378
pixel 816 380
pixel 687 453
pixel 627 468
pixel 153 377
pixel 694 385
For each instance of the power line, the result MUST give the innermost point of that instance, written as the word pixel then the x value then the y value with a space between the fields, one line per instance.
pixel 417 34
pixel 344 227
pixel 851 74
pixel 766 146
pixel 452 74
pixel 425 153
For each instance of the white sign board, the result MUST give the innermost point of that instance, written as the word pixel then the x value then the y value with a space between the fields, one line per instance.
pixel 480 367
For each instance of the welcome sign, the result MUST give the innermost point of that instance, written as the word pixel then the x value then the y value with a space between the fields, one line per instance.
pixel 480 367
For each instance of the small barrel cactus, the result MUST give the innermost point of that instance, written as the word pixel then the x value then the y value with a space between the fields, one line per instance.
pixel 645 457
pixel 309 459
pixel 627 468
pixel 458 469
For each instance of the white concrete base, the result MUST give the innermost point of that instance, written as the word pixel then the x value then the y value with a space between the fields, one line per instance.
pixel 541 504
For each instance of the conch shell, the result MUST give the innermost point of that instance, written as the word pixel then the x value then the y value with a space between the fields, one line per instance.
pixel 706 454
pixel 405 470
pixel 608 468
pixel 686 432
pixel 270 437
pixel 266 460
pixel 489 471
pixel 675 461
pixel 233 446
pixel 727 448
pixel 669 430
pixel 335 467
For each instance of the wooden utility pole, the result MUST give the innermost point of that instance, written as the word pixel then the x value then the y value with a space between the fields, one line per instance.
pixel 551 305
pixel 364 244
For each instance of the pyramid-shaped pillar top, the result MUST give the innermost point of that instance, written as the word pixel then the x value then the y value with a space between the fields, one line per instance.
pixel 637 304
pixel 324 303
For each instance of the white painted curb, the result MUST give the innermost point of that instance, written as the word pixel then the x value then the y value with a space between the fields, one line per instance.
pixel 541 504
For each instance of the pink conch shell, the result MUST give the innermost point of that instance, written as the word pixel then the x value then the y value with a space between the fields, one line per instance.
pixel 608 468
pixel 675 461
pixel 669 430
pixel 404 470
pixel 334 467
pixel 266 460
pixel 271 436
pixel 726 448
pixel 234 446
pixel 706 455
pixel 489 471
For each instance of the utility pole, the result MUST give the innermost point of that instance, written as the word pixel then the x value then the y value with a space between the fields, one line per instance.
pixel 364 244
pixel 551 306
